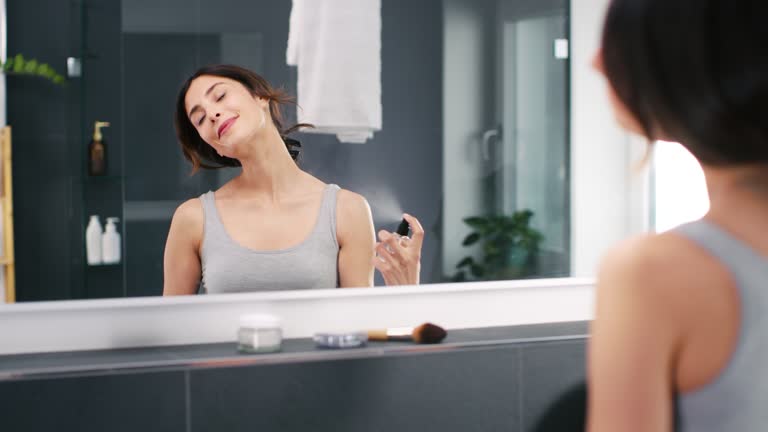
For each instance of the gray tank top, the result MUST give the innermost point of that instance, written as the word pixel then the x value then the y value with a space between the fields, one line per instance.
pixel 736 400
pixel 229 267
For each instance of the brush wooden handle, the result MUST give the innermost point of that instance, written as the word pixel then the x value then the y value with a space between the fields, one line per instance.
pixel 391 334
pixel 378 335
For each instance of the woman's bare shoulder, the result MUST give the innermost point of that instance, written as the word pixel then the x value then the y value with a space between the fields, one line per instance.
pixel 352 206
pixel 353 215
pixel 188 218
pixel 667 270
pixel 349 200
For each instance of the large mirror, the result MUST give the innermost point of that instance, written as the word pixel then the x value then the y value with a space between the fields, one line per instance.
pixel 476 136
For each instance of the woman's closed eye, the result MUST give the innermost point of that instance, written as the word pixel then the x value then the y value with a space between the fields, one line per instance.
pixel 202 118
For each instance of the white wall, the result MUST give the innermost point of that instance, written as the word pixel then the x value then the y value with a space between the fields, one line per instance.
pixel 608 197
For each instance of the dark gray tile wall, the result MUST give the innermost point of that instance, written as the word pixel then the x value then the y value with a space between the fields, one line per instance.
pixel 155 66
pixel 146 254
pixel 53 195
pixel 500 388
pixel 43 152
pixel 548 370
pixel 120 402
pixel 455 391
pixel 102 92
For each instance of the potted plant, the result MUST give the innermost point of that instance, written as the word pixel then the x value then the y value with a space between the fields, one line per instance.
pixel 18 65
pixel 509 248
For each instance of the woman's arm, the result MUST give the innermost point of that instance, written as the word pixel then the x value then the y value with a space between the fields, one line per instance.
pixel 354 232
pixel 636 334
pixel 181 264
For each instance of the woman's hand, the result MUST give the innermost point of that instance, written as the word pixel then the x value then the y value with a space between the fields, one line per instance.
pixel 399 258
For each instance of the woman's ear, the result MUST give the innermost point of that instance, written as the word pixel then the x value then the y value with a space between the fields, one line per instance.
pixel 263 102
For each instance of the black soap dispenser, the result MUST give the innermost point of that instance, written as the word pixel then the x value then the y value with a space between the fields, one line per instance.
pixel 97 151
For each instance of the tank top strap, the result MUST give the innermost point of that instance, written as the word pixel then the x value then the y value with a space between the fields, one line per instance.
pixel 746 266
pixel 326 223
pixel 735 399
pixel 212 226
pixel 738 257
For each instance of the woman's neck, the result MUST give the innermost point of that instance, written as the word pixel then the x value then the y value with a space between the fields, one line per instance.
pixel 738 189
pixel 268 169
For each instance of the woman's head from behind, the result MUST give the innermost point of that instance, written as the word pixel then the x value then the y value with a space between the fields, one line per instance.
pixel 222 107
pixel 692 71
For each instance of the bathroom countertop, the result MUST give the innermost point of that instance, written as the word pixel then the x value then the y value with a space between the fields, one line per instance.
pixel 78 363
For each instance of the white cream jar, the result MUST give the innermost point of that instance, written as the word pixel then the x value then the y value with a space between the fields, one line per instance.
pixel 259 333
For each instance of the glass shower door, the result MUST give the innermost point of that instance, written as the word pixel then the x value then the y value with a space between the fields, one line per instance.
pixel 506 150
pixel 534 116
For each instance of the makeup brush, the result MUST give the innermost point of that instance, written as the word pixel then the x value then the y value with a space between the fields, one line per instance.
pixel 426 333
pixel 403 228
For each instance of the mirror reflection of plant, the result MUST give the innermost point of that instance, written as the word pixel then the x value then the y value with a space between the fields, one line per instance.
pixel 509 247
pixel 18 65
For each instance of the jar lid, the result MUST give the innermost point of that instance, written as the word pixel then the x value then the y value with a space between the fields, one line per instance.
pixel 259 320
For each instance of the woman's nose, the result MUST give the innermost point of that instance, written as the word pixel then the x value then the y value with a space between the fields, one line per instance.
pixel 214 117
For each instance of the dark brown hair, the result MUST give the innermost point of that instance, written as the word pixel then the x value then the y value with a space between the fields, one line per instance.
pixel 693 71
pixel 200 153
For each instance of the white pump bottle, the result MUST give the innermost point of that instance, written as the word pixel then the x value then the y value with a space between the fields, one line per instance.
pixel 110 243
pixel 93 241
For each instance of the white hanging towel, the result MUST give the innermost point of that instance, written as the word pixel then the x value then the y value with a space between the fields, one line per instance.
pixel 336 46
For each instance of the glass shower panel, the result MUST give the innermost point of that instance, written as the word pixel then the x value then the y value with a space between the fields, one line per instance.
pixel 535 119
pixel 506 85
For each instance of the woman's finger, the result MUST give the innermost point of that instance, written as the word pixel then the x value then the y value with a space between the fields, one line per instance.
pixel 417 231
pixel 395 250
pixel 392 253
pixel 387 271
pixel 382 265
pixel 384 235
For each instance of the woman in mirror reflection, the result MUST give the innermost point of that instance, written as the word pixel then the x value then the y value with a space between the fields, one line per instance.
pixel 274 226
pixel 681 315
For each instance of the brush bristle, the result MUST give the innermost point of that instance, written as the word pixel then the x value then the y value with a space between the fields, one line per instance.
pixel 428 333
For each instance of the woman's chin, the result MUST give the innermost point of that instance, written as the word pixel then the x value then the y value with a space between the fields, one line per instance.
pixel 225 149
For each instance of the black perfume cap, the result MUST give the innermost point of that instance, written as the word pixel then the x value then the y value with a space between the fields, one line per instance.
pixel 403 228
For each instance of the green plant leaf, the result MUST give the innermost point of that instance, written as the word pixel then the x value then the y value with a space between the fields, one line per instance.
pixel 477 270
pixel 459 277
pixel 43 70
pixel 490 249
pixel 30 67
pixel 471 239
pixel 18 63
pixel 465 262
pixel 476 222
pixel 499 220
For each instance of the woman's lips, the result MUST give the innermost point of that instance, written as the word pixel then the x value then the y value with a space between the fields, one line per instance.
pixel 225 126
